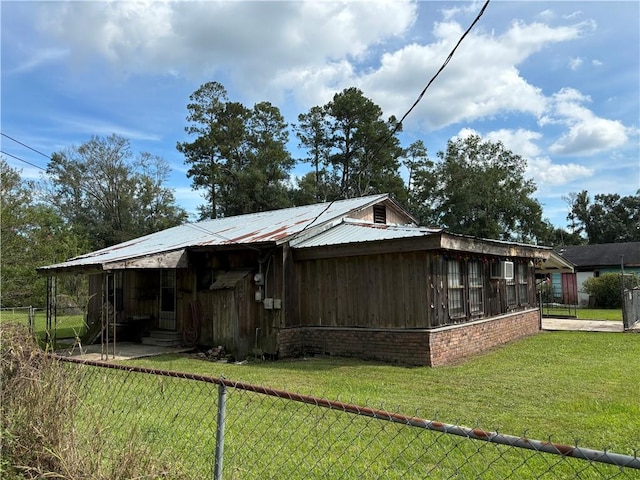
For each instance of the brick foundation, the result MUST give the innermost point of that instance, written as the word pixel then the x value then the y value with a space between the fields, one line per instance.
pixel 434 347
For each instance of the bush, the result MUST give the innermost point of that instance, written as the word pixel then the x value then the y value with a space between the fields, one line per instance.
pixel 39 434
pixel 606 290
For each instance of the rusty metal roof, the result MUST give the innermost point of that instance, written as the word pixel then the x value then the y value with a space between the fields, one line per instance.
pixel 350 231
pixel 276 226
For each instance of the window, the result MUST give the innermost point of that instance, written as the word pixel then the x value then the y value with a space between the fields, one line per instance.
pixel 456 289
pixel 512 300
pixel 474 275
pixel 168 291
pixel 523 286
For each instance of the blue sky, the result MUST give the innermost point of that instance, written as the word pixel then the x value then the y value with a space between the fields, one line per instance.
pixel 556 82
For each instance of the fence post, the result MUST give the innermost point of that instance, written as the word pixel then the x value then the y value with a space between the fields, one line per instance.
pixel 31 317
pixel 222 406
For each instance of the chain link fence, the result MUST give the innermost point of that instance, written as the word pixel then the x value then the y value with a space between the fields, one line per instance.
pixel 204 427
pixel 631 309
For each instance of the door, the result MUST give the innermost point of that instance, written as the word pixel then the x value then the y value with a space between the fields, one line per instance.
pixel 167 317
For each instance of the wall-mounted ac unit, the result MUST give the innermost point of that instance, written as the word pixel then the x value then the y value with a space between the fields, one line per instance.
pixel 502 270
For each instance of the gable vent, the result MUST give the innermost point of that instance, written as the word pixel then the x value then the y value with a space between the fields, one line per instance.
pixel 379 214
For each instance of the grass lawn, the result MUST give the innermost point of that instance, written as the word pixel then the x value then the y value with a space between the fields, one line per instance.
pixel 588 313
pixel 567 385
pixel 67 327
pixel 599 314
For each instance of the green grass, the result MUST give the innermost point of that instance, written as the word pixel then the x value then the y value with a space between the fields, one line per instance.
pixel 68 326
pixel 565 385
pixel 586 313
pixel 599 314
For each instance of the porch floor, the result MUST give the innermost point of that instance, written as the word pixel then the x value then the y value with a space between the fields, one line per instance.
pixel 123 351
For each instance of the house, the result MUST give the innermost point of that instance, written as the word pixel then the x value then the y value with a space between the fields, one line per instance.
pixel 352 277
pixel 557 274
pixel 594 260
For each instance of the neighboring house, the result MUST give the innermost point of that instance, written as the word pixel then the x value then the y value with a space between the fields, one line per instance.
pixel 353 277
pixel 595 260
pixel 558 276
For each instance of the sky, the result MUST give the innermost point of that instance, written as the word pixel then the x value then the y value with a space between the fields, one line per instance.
pixel 556 82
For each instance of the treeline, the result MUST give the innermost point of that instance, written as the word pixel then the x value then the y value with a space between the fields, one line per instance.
pixel 101 193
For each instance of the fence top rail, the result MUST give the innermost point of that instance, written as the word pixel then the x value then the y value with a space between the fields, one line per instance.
pixel 547 446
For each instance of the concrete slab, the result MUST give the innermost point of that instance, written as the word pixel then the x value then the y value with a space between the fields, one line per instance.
pixel 573 324
pixel 123 351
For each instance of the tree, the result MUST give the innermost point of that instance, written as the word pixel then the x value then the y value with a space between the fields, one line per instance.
pixel 314 133
pixel 478 188
pixel 204 155
pixel 609 219
pixel 255 175
pixel 32 235
pixel 109 196
pixel 607 289
pixel 420 181
pixel 353 150
pixel 239 155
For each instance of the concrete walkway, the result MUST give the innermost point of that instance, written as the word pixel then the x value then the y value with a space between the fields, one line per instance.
pixel 574 324
pixel 123 351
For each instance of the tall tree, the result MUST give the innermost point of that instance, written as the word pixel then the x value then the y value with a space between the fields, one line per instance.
pixel 206 107
pixel 109 196
pixel 478 188
pixel 255 175
pixel 353 149
pixel 314 133
pixel 609 219
pixel 32 235
pixel 239 154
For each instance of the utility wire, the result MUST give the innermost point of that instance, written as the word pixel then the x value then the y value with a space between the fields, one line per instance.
pixel 399 124
pixel 190 225
pixel 484 7
pixel 23 161
pixel 25 145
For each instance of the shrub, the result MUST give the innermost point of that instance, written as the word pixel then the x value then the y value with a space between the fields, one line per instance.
pixel 39 433
pixel 606 290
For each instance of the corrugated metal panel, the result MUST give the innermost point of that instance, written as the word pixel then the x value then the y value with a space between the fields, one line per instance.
pixel 351 232
pixel 263 227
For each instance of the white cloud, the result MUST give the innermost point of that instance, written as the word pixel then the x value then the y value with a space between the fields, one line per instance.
pixel 469 8
pixel 33 60
pixel 200 38
pixel 587 134
pixel 481 81
pixel 544 172
pixel 575 63
pixel 519 141
pixel 104 128
pixel 540 167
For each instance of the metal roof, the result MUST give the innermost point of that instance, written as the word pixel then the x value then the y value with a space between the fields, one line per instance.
pixel 276 226
pixel 350 231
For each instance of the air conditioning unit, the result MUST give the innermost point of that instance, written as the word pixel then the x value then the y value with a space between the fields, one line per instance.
pixel 502 270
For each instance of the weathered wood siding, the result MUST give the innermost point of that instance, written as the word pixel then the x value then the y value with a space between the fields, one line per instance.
pixel 231 317
pixel 398 290
pixel 393 216
pixel 390 290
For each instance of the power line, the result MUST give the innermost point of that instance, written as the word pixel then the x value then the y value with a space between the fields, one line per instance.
pixel 484 7
pixel 25 145
pixel 398 124
pixel 23 161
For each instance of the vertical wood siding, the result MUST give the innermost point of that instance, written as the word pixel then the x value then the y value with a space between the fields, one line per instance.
pixel 393 290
